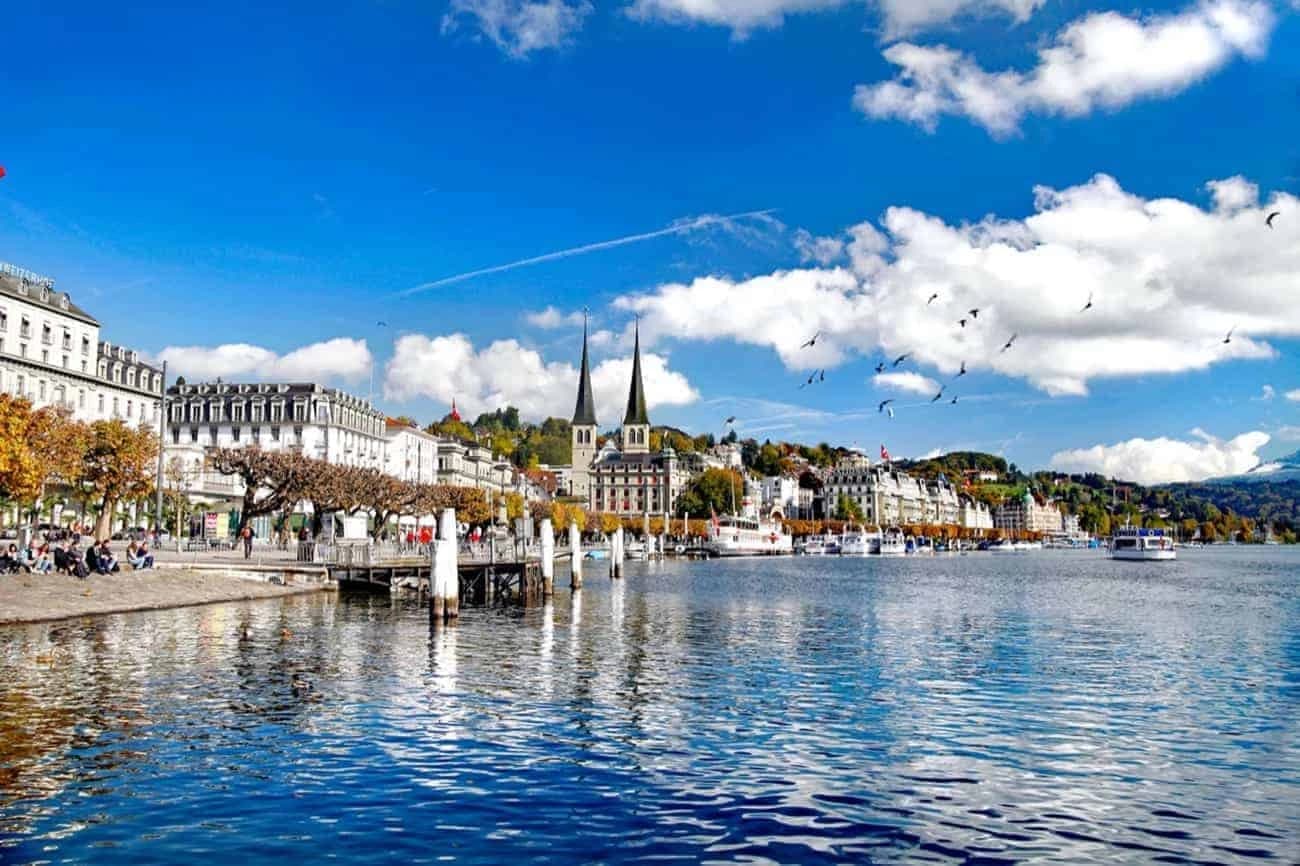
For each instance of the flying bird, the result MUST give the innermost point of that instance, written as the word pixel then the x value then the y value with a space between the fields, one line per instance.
pixel 821 376
pixel 381 324
pixel 954 401
pixel 811 342
pixel 1268 222
pixel 1010 342
pixel 933 298
pixel 880 368
pixel 731 420
pixel 884 404
pixel 890 410
pixel 937 397
pixel 1087 306
pixel 975 313
pixel 1228 339
pixel 900 359
pixel 962 371
pixel 961 322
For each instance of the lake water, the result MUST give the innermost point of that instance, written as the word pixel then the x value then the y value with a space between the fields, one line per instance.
pixel 1050 707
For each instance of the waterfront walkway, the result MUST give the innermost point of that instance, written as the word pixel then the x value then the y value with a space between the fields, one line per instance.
pixel 44 597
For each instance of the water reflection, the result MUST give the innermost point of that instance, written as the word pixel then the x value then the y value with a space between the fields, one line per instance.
pixel 1063 711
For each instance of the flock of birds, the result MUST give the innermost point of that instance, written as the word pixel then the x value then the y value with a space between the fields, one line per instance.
pixel 971 317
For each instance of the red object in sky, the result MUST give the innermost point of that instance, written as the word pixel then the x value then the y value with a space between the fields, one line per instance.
pixel 2 171
pixel 455 416
pixel 884 453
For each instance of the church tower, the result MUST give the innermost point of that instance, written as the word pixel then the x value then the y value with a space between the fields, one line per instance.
pixel 636 421
pixel 584 427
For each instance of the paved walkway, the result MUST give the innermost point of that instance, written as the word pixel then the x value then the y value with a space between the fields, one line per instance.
pixel 42 597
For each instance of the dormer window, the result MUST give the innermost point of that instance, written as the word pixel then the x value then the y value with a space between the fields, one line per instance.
pixel 64 300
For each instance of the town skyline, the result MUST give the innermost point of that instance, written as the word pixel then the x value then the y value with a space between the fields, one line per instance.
pixel 840 210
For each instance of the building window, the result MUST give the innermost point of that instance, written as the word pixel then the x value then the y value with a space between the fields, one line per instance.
pixel 85 346
pixel 65 362
pixel 130 378
pixel 25 329
pixel 47 335
pixel 67 340
pixel 4 321
pixel 130 408
pixel 257 412
pixel 115 407
pixel 176 435
pixel 45 356
pixel 81 399
pixel 41 390
pixel 194 434
pixel 234 433
pixel 101 404
pixel 275 434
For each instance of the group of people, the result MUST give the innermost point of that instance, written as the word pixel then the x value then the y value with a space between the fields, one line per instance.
pixel 65 557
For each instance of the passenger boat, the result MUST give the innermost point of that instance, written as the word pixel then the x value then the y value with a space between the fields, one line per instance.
pixel 821 545
pixel 734 535
pixel 1142 545
pixel 920 546
pixel 893 543
pixel 858 542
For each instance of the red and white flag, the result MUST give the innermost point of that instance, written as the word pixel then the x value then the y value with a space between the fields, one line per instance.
pixel 884 453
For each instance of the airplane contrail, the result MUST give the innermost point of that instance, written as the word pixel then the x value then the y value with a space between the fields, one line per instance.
pixel 678 227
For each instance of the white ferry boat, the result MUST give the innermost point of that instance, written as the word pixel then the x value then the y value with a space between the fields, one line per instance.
pixel 893 543
pixel 1143 545
pixel 735 535
pixel 858 542
pixel 821 545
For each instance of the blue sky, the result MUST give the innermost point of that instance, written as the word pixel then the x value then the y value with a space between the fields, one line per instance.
pixel 282 178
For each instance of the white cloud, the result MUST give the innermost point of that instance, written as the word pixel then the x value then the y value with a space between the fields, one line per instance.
pixel 913 383
pixel 1162 461
pixel 1293 396
pixel 907 16
pixel 1266 394
pixel 823 251
pixel 899 16
pixel 1102 61
pixel 1287 433
pixel 551 318
pixel 1168 280
pixel 508 373
pixel 340 358
pixel 520 27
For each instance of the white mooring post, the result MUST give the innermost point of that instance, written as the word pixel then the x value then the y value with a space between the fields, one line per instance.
pixel 616 555
pixel 575 557
pixel 445 585
pixel 548 558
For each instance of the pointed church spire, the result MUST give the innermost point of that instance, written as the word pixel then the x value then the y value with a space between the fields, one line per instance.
pixel 636 411
pixel 584 412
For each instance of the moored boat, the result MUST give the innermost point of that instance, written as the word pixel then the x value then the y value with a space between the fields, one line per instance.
pixel 734 535
pixel 893 543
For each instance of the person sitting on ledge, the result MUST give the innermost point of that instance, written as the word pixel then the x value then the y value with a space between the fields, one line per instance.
pixel 139 555
pixel 43 563
pixel 107 561
pixel 10 563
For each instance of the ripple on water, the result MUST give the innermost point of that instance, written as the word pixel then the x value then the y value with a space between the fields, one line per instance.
pixel 1050 708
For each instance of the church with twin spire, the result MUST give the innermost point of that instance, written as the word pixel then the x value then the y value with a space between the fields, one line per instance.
pixel 626 478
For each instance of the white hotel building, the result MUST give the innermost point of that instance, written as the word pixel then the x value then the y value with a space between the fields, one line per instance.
pixel 892 498
pixel 51 353
pixel 319 422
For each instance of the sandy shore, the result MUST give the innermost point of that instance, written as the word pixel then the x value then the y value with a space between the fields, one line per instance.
pixel 43 597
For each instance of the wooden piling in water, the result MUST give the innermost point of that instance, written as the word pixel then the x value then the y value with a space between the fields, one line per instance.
pixel 548 558
pixel 575 556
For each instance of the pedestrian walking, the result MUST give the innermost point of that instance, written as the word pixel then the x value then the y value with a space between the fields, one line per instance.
pixel 247 535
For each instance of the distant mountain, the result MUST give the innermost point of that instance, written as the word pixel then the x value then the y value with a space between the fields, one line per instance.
pixel 1275 471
